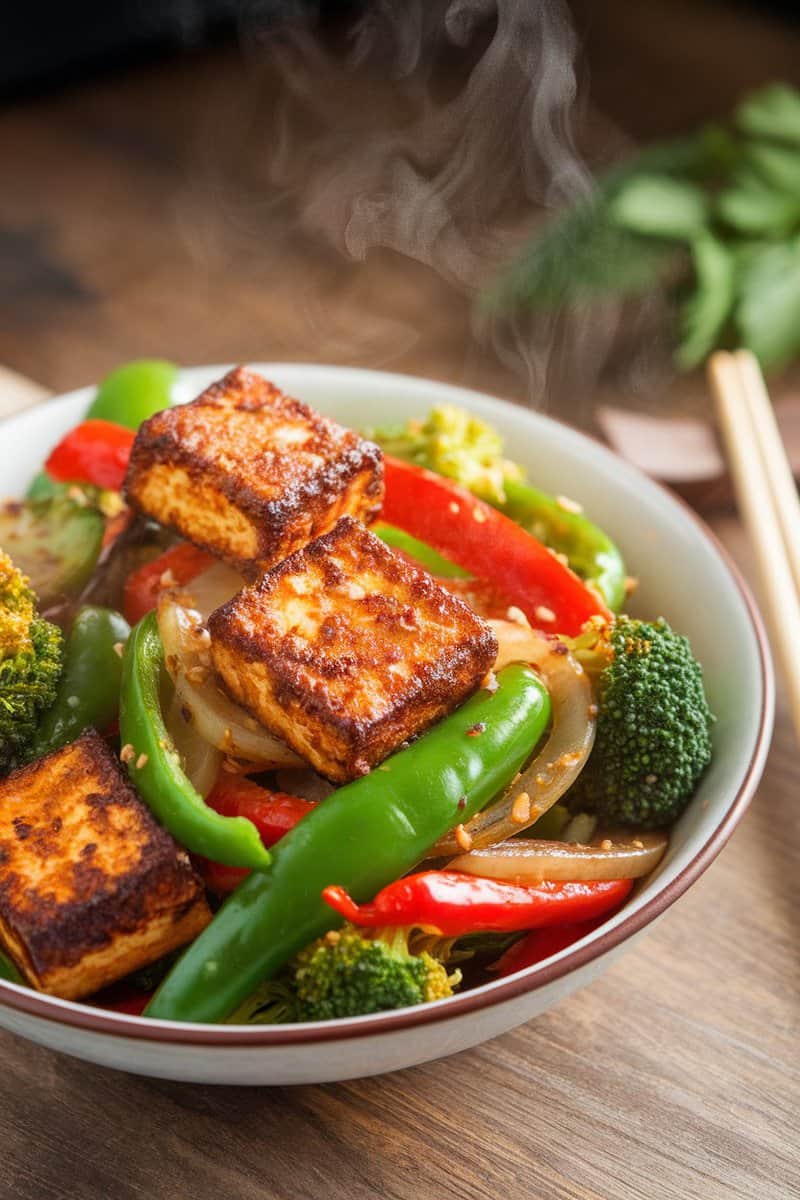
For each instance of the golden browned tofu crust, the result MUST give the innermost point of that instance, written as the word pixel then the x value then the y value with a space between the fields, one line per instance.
pixel 251 474
pixel 91 886
pixel 346 650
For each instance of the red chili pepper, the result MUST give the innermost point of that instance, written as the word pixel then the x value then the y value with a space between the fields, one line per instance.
pixel 488 544
pixel 140 594
pixel 272 813
pixel 218 878
pixel 454 904
pixel 94 452
pixel 542 943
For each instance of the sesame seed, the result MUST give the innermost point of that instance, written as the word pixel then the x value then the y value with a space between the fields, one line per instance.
pixel 479 515
pixel 127 753
pixel 197 675
pixel 142 761
pixel 543 613
pixel 454 507
pixel 167 579
pixel 118 648
pixel 490 683
pixel 606 844
pixel 569 505
pixel 521 809
pixel 517 616
pixel 463 838
pixel 638 844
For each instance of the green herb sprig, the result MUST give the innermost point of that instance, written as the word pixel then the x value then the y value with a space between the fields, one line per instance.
pixel 715 216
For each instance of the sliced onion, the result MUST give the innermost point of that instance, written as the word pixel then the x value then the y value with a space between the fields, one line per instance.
pixel 527 860
pixel 213 714
pixel 563 755
pixel 199 759
pixel 210 590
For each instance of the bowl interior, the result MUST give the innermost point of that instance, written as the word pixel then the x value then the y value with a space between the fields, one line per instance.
pixel 683 577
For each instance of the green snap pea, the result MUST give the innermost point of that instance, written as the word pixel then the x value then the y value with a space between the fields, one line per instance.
pixel 422 553
pixel 590 551
pixel 155 768
pixel 88 691
pixel 134 392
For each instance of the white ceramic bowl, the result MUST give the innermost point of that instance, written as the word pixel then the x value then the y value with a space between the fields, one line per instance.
pixel 685 576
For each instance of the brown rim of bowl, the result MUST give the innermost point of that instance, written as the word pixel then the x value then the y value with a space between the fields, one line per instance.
pixel 95 1020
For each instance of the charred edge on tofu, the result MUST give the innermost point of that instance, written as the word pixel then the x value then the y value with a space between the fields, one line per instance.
pixel 309 501
pixel 50 933
pixel 242 629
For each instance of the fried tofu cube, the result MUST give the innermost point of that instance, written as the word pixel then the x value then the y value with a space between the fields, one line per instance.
pixel 91 886
pixel 346 650
pixel 251 474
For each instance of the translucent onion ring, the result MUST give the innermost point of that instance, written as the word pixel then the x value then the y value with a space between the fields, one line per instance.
pixel 199 759
pixel 563 755
pixel 211 713
pixel 528 860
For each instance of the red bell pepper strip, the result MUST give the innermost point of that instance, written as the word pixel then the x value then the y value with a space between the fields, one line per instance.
pixel 140 594
pixel 489 545
pixel 542 943
pixel 453 904
pixel 94 452
pixel 272 813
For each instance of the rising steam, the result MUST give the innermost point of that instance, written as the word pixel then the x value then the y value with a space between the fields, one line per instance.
pixel 437 130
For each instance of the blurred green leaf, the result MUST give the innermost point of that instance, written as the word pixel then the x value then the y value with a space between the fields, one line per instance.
pixel 750 206
pixel 768 312
pixel 707 309
pixel 580 257
pixel 772 112
pixel 776 166
pixel 660 206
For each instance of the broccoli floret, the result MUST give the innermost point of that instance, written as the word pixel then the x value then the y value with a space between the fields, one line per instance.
pixel 653 725
pixel 348 973
pixel 31 658
pixel 455 443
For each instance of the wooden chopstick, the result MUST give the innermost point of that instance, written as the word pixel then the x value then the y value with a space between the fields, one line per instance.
pixel 769 507
pixel 785 499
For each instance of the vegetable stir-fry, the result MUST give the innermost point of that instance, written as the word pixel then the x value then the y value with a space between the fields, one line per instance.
pixel 299 723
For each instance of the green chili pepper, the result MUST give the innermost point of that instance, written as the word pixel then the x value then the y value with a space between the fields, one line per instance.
pixel 155 767
pixel 422 553
pixel 590 551
pixel 88 691
pixel 133 392
pixel 8 970
pixel 364 836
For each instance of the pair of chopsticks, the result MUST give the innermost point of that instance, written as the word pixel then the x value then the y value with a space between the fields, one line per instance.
pixel 767 499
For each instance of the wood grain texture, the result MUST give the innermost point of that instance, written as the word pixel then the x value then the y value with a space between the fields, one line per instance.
pixel 677 1075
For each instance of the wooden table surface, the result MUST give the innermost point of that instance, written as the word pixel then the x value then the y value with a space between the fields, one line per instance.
pixel 127 228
